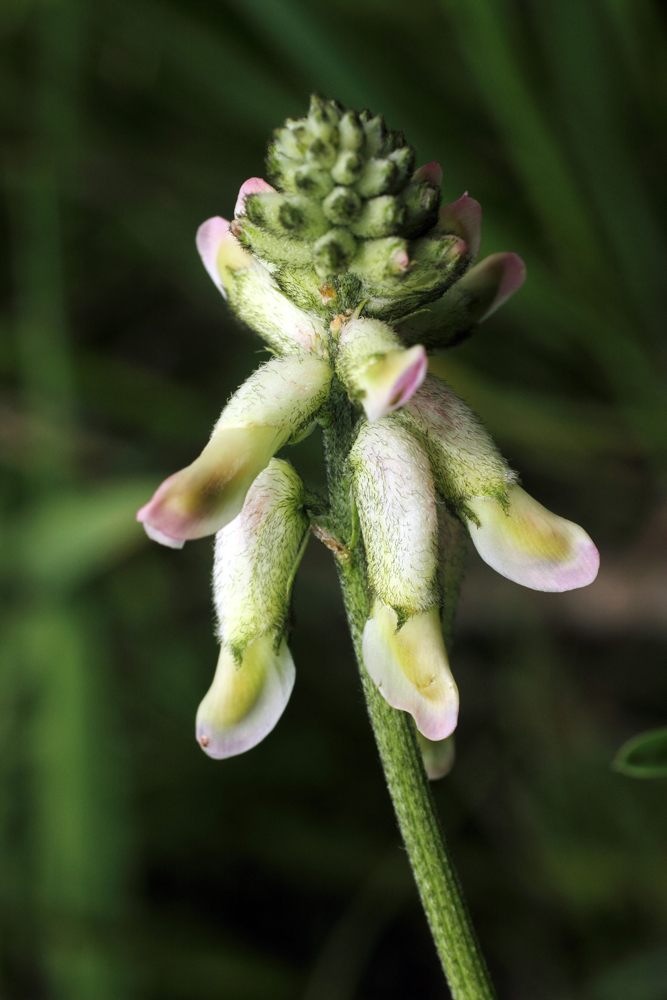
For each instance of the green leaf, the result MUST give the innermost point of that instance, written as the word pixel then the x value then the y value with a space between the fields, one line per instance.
pixel 644 756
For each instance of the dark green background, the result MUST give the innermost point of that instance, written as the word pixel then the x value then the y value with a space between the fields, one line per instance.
pixel 134 868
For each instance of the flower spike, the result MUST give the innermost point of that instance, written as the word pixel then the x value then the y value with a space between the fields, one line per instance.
pixel 255 559
pixel 403 648
pixel 277 403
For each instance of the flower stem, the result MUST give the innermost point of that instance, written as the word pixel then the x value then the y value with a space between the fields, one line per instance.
pixel 432 865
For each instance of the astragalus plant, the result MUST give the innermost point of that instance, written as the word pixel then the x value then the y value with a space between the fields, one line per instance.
pixel 351 271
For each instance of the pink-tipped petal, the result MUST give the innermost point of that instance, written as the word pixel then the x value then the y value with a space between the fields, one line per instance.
pixel 204 497
pixel 246 700
pixel 431 172
pixel 254 185
pixel 532 546
pixel 390 382
pixel 463 218
pixel 410 668
pixel 510 273
pixel 220 251
pixel 209 237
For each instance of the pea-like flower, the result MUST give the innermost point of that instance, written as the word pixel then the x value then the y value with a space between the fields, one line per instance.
pixel 351 272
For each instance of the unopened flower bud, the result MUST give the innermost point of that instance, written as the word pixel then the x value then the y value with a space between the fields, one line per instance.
pixel 422 201
pixel 291 215
pixel 352 135
pixel 277 403
pixel 380 216
pixel 347 167
pixel 403 648
pixel 376 133
pixel 377 177
pixel 471 300
pixel 255 560
pixel 376 369
pixel 404 158
pixel 342 206
pixel 333 252
pixel 378 261
pixel 528 544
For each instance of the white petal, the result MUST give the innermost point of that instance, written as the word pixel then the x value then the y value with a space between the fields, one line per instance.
pixel 245 701
pixel 532 546
pixel 159 536
pixel 411 669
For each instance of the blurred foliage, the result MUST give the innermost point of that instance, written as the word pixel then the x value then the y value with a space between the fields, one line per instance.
pixel 133 866
pixel 644 756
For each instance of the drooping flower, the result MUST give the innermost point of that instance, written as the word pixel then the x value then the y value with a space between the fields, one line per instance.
pixel 276 404
pixel 403 646
pixel 255 560
pixel 351 270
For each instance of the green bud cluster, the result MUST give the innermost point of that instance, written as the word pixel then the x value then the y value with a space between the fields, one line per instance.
pixel 349 220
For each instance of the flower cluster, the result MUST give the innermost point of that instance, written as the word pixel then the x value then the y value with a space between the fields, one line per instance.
pixel 351 272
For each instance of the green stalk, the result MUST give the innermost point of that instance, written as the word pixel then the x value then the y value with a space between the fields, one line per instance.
pixel 432 865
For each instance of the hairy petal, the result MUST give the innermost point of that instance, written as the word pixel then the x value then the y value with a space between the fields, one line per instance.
pixel 256 557
pixel 465 460
pixel 246 699
pixel 532 546
pixel 394 493
pixel 410 667
pixel 278 402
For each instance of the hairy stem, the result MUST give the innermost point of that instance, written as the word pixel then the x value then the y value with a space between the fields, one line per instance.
pixel 431 862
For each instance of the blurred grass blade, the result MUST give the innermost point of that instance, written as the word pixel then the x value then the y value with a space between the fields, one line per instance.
pixel 572 38
pixel 307 41
pixel 546 424
pixel 215 62
pixel 644 756
pixel 79 820
pixel 486 46
pixel 642 977
pixel 73 535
